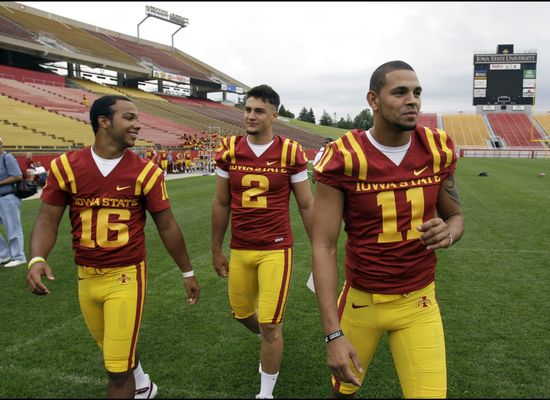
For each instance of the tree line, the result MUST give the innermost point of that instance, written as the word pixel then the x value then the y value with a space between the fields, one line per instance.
pixel 363 120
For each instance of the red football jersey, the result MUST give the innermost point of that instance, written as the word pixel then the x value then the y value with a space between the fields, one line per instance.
pixel 384 203
pixel 260 191
pixel 107 212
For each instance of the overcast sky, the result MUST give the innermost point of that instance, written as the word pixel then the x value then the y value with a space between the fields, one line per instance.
pixel 321 54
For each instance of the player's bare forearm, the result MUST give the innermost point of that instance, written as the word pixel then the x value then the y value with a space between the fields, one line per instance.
pixel 449 209
pixel 43 238
pixel 327 214
pixel 307 219
pixel 221 209
pixel 305 201
pixel 44 231
pixel 220 221
pixel 172 238
pixel 325 278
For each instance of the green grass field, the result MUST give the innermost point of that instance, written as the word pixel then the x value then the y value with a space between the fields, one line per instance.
pixel 492 287
pixel 325 131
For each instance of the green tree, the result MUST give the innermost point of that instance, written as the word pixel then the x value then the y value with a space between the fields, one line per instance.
pixel 310 116
pixel 346 123
pixel 303 115
pixel 283 112
pixel 363 120
pixel 326 119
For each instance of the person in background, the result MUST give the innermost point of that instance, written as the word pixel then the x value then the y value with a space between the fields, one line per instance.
pixel 30 166
pixel 163 160
pixel 40 174
pixel 107 209
pixel 12 252
pixel 394 188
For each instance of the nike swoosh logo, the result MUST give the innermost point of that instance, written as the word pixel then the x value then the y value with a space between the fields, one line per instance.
pixel 122 187
pixel 356 306
pixel 416 173
pixel 271 162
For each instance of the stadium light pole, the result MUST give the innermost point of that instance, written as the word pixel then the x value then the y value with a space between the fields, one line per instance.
pixel 181 27
pixel 159 13
pixel 142 21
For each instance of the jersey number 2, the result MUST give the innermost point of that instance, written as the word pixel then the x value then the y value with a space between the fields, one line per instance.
pixel 252 198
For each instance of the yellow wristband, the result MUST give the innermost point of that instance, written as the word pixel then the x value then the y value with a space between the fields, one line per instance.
pixel 34 260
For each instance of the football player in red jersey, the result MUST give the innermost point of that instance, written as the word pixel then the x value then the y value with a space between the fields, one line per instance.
pixel 394 188
pixel 108 189
pixel 255 175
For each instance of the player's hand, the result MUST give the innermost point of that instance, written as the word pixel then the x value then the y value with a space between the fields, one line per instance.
pixel 436 234
pixel 193 289
pixel 34 278
pixel 339 353
pixel 220 263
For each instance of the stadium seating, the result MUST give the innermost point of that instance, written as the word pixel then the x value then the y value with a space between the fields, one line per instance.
pixel 428 119
pixel 75 133
pixel 234 117
pixel 544 122
pixel 171 109
pixel 95 87
pixel 68 37
pixel 151 56
pixel 38 97
pixel 516 129
pixel 467 130
pixel 30 76
pixel 131 92
pixel 15 136
pixel 11 29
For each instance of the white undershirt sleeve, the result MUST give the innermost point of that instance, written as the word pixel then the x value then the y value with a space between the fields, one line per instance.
pixel 221 173
pixel 299 177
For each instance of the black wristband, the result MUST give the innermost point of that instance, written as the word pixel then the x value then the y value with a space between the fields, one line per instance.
pixel 333 335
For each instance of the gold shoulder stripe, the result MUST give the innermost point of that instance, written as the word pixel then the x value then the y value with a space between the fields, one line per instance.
pixel 164 191
pixel 55 169
pixel 230 152
pixel 360 156
pixel 222 145
pixel 141 178
pixel 445 148
pixel 433 148
pixel 232 149
pixel 348 164
pixel 303 152
pixel 152 181
pixel 293 153
pixel 284 152
pixel 69 172
pixel 325 158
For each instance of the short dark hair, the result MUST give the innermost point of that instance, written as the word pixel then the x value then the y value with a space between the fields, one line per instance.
pixel 266 93
pixel 102 106
pixel 378 77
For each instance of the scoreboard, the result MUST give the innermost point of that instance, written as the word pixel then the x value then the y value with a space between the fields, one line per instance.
pixel 504 78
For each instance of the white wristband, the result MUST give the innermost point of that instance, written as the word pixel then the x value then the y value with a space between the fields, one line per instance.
pixel 188 274
pixel 451 239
